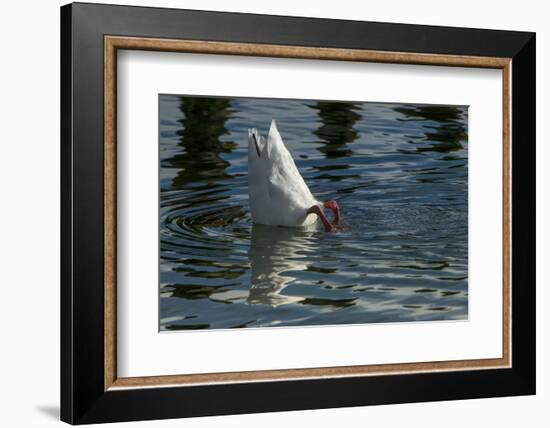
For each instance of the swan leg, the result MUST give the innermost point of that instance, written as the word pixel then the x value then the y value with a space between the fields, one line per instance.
pixel 315 209
pixel 333 206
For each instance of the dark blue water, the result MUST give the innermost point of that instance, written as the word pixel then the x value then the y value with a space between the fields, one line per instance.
pixel 399 173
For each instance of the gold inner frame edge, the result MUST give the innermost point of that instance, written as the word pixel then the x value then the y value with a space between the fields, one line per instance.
pixel 113 43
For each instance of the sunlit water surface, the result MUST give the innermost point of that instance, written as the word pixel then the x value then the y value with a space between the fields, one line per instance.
pixel 399 173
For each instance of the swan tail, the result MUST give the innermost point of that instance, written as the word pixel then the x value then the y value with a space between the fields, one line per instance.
pixel 255 140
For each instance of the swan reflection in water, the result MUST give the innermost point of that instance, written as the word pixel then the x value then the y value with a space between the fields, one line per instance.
pixel 276 254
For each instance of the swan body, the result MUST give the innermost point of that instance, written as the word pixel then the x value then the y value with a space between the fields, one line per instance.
pixel 278 195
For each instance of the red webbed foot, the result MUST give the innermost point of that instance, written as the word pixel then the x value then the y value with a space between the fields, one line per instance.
pixel 316 209
pixel 333 206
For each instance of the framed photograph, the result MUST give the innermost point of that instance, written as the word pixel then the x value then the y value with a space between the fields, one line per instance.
pixel 266 213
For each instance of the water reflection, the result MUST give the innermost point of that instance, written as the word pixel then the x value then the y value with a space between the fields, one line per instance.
pixel 202 126
pixel 449 130
pixel 275 253
pixel 336 130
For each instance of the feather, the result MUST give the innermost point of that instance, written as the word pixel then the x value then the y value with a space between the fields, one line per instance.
pixel 278 194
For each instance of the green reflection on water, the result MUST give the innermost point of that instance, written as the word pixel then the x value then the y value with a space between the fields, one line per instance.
pixel 336 130
pixel 203 125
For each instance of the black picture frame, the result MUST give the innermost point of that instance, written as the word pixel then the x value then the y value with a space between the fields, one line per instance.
pixel 83 398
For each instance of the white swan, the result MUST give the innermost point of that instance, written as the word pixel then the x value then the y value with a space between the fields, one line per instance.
pixel 278 195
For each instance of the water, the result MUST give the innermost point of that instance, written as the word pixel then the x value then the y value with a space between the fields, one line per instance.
pixel 399 173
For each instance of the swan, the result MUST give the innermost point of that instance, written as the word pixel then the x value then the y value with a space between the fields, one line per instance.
pixel 278 195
